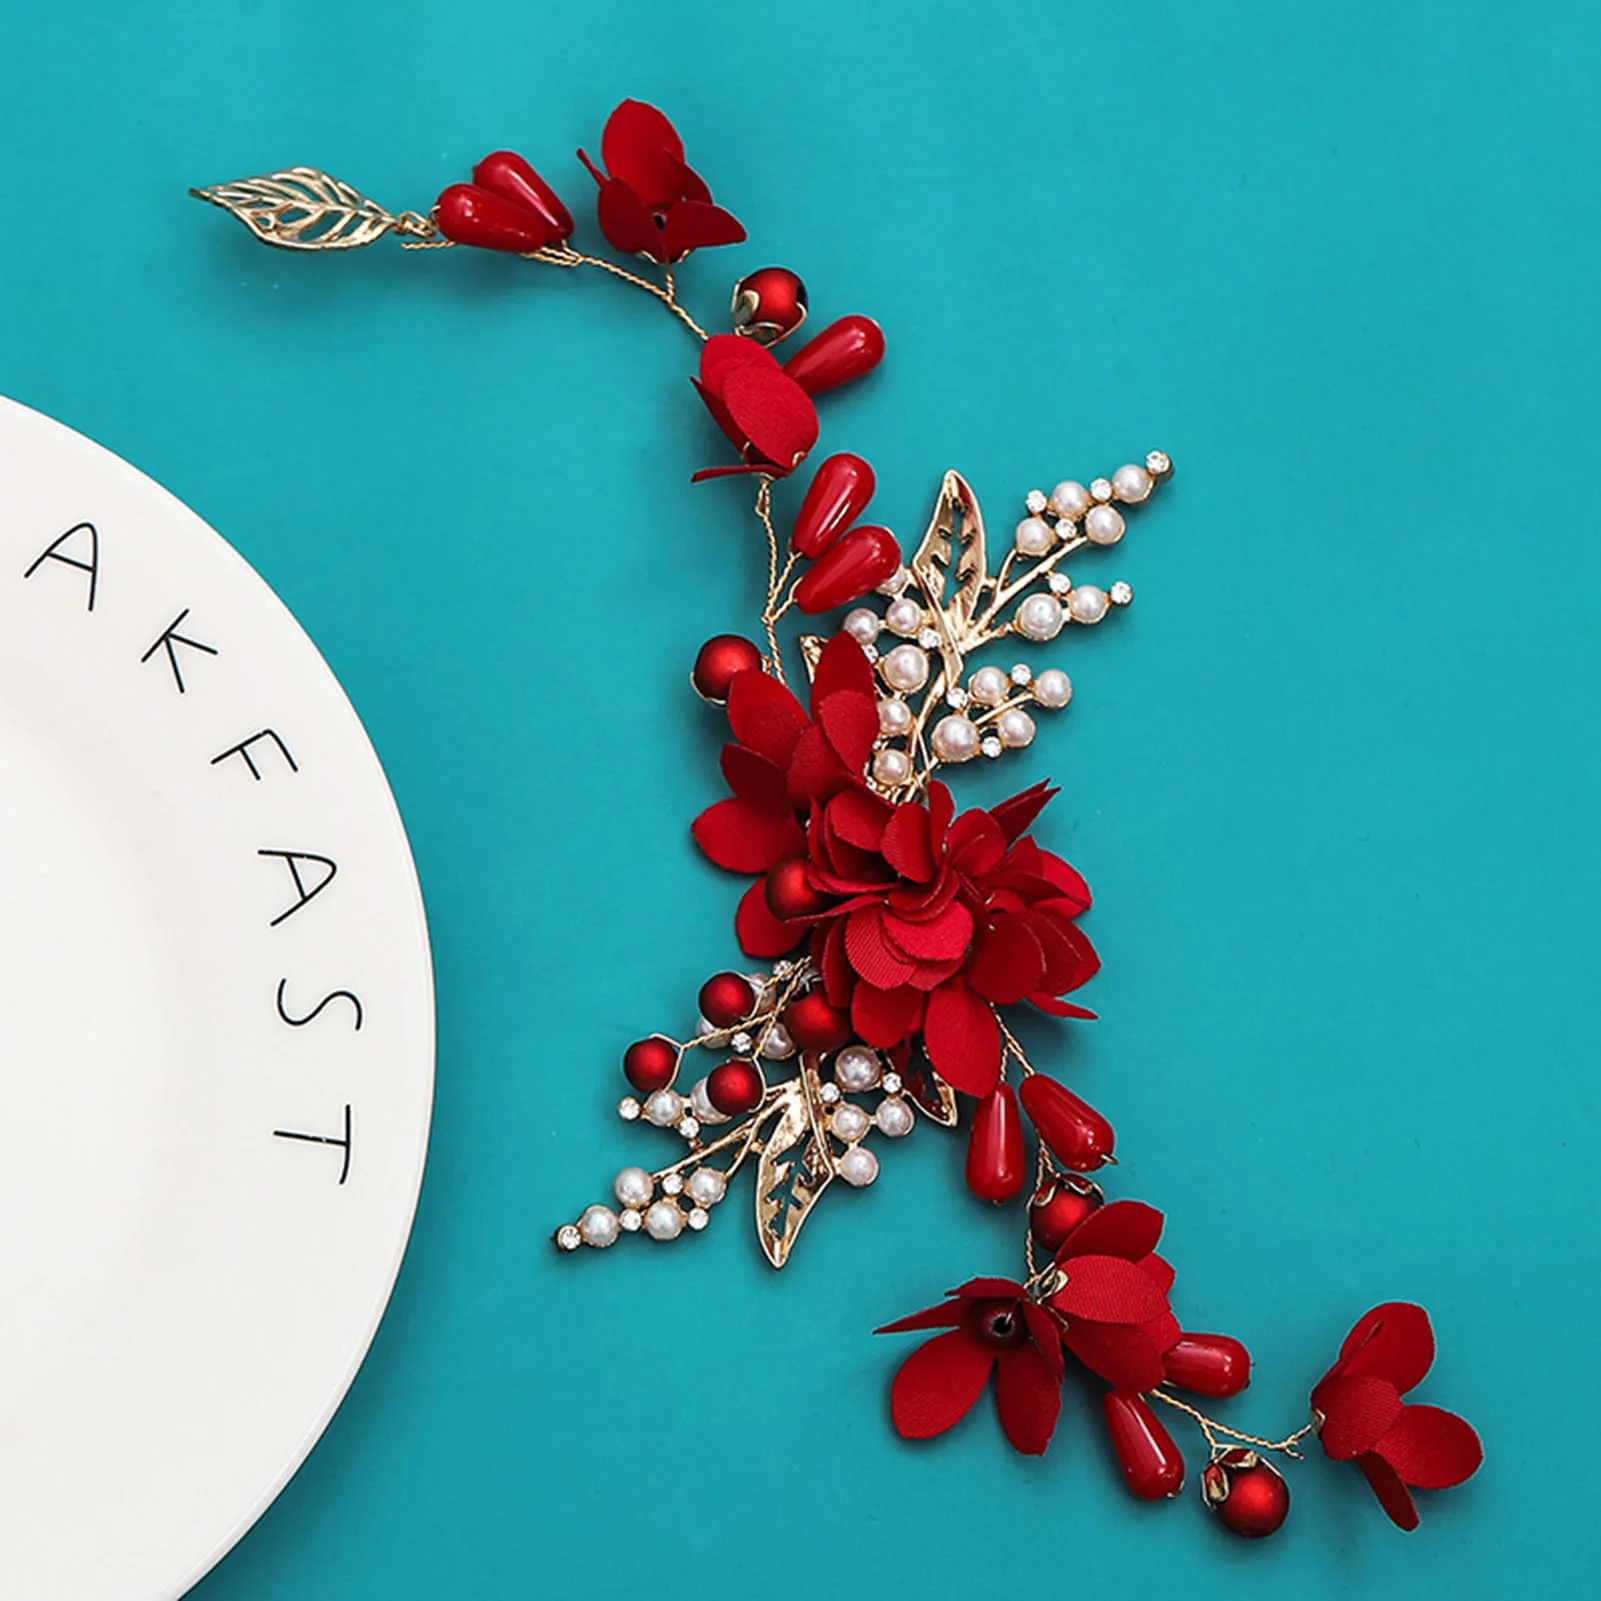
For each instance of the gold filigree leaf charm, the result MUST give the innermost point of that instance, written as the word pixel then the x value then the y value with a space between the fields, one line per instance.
pixel 302 208
pixel 795 1168
pixel 952 568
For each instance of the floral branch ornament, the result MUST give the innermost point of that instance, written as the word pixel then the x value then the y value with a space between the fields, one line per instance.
pixel 891 938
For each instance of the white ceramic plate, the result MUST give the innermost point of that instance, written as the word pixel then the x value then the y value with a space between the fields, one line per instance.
pixel 216 1033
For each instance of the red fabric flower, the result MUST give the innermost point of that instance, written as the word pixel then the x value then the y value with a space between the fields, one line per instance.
pixel 766 413
pixel 1400 1446
pixel 651 202
pixel 994 1328
pixel 1114 1308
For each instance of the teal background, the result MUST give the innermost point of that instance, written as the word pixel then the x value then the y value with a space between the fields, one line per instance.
pixel 1333 778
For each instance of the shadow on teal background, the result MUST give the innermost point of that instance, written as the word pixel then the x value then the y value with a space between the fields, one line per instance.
pixel 1333 778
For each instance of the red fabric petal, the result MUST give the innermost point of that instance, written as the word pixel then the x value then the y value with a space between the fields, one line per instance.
pixel 1018 811
pixel 1129 1229
pixel 975 843
pixel 771 411
pixel 1070 959
pixel 1007 962
pixel 690 184
pixel 759 932
pixel 938 1384
pixel 906 844
pixel 1430 1448
pixel 886 1017
pixel 939 939
pixel 815 772
pixel 843 667
pixel 1393 1495
pixel 941 809
pixel 699 225
pixel 1069 882
pixel 1163 1332
pixel 626 220
pixel 1161 1271
pixel 962 1039
pixel 1056 1008
pixel 755 779
pixel 1393 1342
pixel 1045 1332
pixel 858 817
pixel 1028 1397
pixel 1106 1289
pixel 737 836
pixel 1125 1357
pixel 640 146
pixel 722 353
pixel 1357 1411
pixel 765 715
pixel 947 1315
pixel 834 965
pixel 990 1289
pixel 871 957
pixel 851 723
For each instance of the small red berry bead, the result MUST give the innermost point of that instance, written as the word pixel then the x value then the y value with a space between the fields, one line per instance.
pixel 727 999
pixel 1058 1208
pixel 717 662
pixel 789 891
pixel 769 304
pixel 735 1088
pixel 814 1025
pixel 650 1064
pixel 1248 1495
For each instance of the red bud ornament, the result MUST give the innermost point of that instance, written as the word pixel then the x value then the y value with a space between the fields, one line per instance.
pixel 838 495
pixel 469 215
pixel 1077 1135
pixel 651 1064
pixel 996 1160
pixel 861 561
pixel 769 304
pixel 1208 1364
pixel 844 350
pixel 1151 1464
pixel 1248 1495
pixel 506 174
pixel 719 659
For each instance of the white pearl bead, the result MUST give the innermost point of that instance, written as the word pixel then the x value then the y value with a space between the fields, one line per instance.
pixel 778 1046
pixel 850 1122
pixel 1088 604
pixel 1053 688
pixel 896 582
pixel 955 739
pixel 634 1187
pixel 894 1117
pixel 665 1108
pixel 856 1068
pixel 891 767
pixel 1131 484
pixel 1040 617
pixel 858 1166
pixel 664 1221
pixel 1104 525
pixel 894 716
pixel 1034 536
pixel 599 1226
pixel 1016 729
pixel 707 1186
pixel 989 686
pixel 862 625
pixel 904 617
pixel 905 668
pixel 701 1104
pixel 1070 499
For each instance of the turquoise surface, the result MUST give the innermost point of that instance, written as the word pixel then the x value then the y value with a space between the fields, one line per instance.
pixel 1333 778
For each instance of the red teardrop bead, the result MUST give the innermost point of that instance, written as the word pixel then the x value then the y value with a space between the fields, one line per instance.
pixel 717 662
pixel 1249 1497
pixel 842 351
pixel 650 1065
pixel 814 1025
pixel 789 891
pixel 1152 1466
pixel 838 495
pixel 1078 1136
pixel 861 561
pixel 1208 1364
pixel 996 1160
pixel 1059 1208
pixel 769 304
pixel 735 1088
pixel 727 999
pixel 506 174
pixel 469 215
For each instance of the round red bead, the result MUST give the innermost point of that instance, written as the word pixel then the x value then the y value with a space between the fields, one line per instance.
pixel 1151 1463
pixel 1208 1364
pixel 789 890
pixel 717 662
pixel 861 561
pixel 734 1088
pixel 814 1025
pixel 1059 1208
pixel 836 497
pixel 844 350
pixel 650 1065
pixel 468 215
pixel 996 1160
pixel 1249 1497
pixel 769 304
pixel 1077 1135
pixel 727 999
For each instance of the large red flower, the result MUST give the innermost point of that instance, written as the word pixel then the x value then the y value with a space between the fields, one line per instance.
pixel 764 411
pixel 651 202
pixel 994 1328
pixel 1400 1446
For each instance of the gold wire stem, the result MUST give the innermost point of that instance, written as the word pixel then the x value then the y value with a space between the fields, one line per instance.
pixel 1211 1428
pixel 778 572
pixel 566 256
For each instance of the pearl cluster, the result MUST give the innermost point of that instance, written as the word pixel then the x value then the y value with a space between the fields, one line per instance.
pixel 857 1070
pixel 639 1207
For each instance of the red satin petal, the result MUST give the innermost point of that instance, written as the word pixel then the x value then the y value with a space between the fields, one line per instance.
pixel 765 715
pixel 851 723
pixel 1430 1448
pixel 834 965
pixel 1106 1289
pixel 640 146
pixel 1393 1495
pixel 941 809
pixel 858 817
pixel 1129 1229
pixel 1056 1008
pixel 940 939
pixel 1393 1342
pixel 626 220
pixel 815 772
pixel 737 836
pixel 690 184
pixel 873 960
pixel 759 932
pixel 975 843
pixel 724 352
pixel 1028 1397
pixel 1070 959
pixel 938 1384
pixel 947 1315
pixel 906 843
pixel 990 1289
pixel 699 225
pixel 1125 1357
pixel 1357 1411
pixel 843 667
pixel 1163 1332
pixel 773 412
pixel 1018 811
pixel 1007 962
pixel 755 779
pixel 886 1017
pixel 1161 1271
pixel 962 1039
pixel 1069 882
pixel 1045 1332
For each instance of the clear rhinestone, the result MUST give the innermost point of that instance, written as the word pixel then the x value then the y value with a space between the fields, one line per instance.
pixel 628 1109
pixel 689 1128
pixel 1036 502
pixel 829 1093
pixel 1101 489
pixel 568 1238
pixel 673 1184
pixel 630 1220
pixel 1021 674
pixel 870 652
pixel 1060 583
pixel 990 746
pixel 956 698
pixel 1120 594
pixel 1158 462
pixel 892 1083
pixel 699 1218
pixel 928 638
pixel 741 1043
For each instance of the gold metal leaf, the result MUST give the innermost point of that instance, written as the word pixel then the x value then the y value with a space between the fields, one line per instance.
pixel 811 649
pixel 794 1171
pixel 302 209
pixel 953 549
pixel 934 1097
